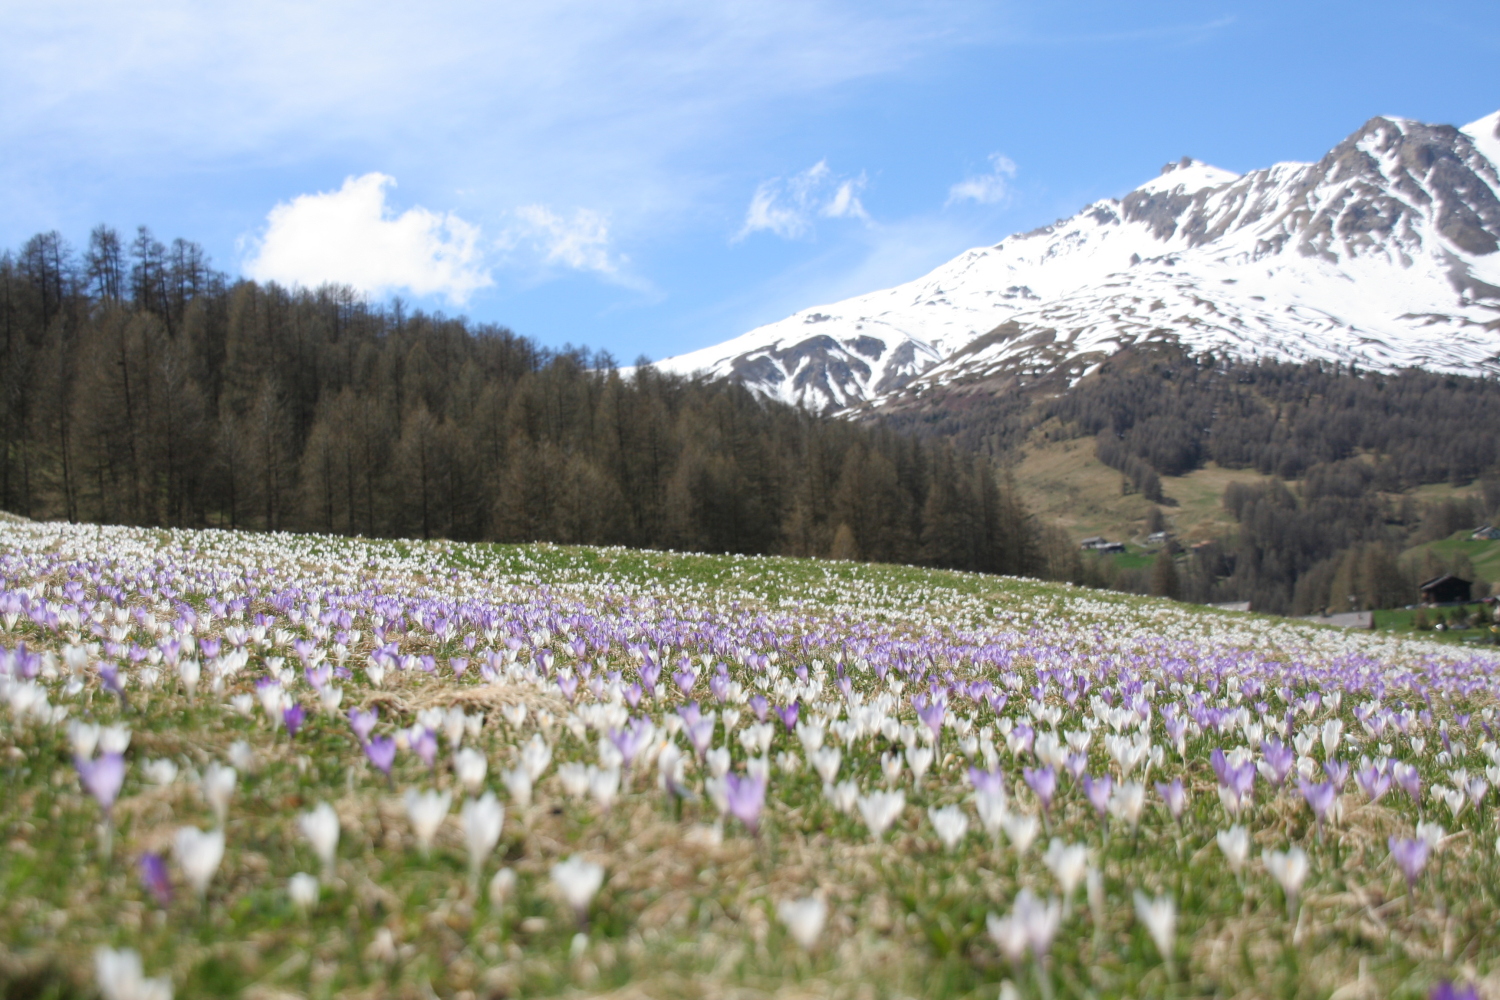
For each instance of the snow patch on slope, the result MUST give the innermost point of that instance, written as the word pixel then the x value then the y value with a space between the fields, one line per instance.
pixel 1383 254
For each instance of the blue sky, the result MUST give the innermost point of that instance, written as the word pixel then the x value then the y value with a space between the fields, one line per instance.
pixel 658 176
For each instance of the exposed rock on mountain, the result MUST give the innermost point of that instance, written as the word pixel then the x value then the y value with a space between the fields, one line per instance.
pixel 1385 254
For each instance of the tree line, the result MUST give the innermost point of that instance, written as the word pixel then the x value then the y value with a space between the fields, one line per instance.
pixel 141 386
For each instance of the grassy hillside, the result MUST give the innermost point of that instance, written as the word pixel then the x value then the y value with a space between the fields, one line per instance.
pixel 666 775
pixel 1065 484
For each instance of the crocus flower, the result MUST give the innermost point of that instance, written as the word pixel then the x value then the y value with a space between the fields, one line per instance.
pixel 155 879
pixel 483 819
pixel 1319 797
pixel 1410 856
pixel 1448 990
pixel 292 717
pixel 804 919
pixel 1174 796
pixel 302 889
pixel 1373 782
pixel 950 823
pixel 1288 869
pixel 1097 790
pixel 788 715
pixel 880 810
pixel 119 976
pixel 746 796
pixel 1043 781
pixel 1160 917
pixel 321 828
pixel 1235 845
pixel 578 879
pixel 427 810
pixel 102 778
pixel 382 753
pixel 198 855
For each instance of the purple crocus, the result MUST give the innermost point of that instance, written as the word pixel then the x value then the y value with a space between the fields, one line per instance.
pixel 1319 797
pixel 700 728
pixel 788 715
pixel 1076 764
pixel 632 739
pixel 685 680
pixel 1278 760
pixel 1448 990
pixel 363 722
pixel 1410 857
pixel 987 782
pixel 931 716
pixel 425 744
pixel 747 796
pixel 1043 781
pixel 1373 781
pixel 102 778
pixel 1409 779
pixel 760 706
pixel 568 684
pixel 1097 790
pixel 1174 795
pixel 156 879
pixel 292 718
pixel 382 753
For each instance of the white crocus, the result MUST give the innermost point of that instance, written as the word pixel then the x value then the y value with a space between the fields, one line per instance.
pixel 1333 731
pixel 718 762
pixel 1160 917
pixel 1235 844
pixel 470 767
pixel 302 888
pixel 483 819
pixel 427 810
pixel 321 828
pixel 198 855
pixel 502 884
pixel 804 919
pixel 826 762
pixel 578 879
pixel 536 755
pixel 518 782
pixel 880 810
pixel 114 739
pixel 160 772
pixel 119 976
pixel 1127 802
pixel 218 788
pixel 919 759
pixel 1021 829
pixel 950 823
pixel 1067 863
pixel 1289 869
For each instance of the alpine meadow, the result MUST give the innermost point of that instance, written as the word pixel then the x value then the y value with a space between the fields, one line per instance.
pixel 673 544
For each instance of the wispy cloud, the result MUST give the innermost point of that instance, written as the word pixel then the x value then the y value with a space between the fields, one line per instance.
pixel 540 239
pixel 352 237
pixel 788 206
pixel 992 188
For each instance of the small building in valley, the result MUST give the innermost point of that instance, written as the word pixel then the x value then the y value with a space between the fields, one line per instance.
pixel 1485 534
pixel 1446 589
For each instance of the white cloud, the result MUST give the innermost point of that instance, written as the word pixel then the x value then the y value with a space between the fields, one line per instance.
pixel 580 243
pixel 787 206
pixel 986 189
pixel 351 237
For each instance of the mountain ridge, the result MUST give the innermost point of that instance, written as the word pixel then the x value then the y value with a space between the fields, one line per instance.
pixel 1383 253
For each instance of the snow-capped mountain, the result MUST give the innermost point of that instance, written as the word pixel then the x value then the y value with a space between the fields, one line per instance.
pixel 1383 253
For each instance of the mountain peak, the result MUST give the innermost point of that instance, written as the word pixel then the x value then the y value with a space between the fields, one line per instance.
pixel 1188 175
pixel 1383 254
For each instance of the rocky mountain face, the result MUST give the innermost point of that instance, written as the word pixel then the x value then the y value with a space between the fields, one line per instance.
pixel 1385 253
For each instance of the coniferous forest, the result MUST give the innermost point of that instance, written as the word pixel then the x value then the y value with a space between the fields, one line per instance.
pixel 140 386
